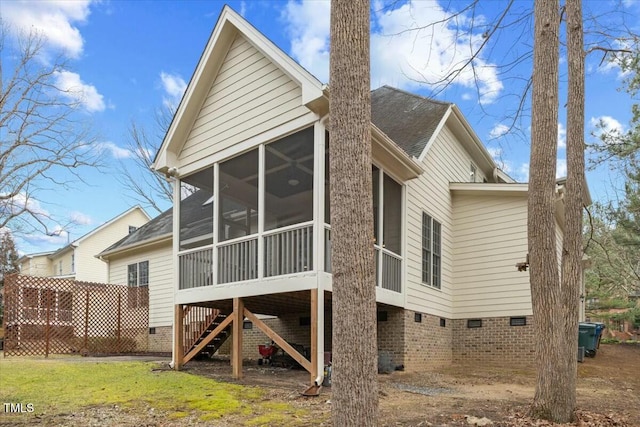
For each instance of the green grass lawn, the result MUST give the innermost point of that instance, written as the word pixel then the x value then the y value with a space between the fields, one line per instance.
pixel 63 386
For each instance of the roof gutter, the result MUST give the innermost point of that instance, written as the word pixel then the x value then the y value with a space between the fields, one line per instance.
pixel 396 152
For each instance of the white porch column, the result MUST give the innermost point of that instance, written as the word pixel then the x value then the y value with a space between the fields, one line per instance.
pixel 176 344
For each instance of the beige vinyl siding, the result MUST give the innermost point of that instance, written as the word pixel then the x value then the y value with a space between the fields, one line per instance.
pixel 88 267
pixel 559 242
pixel 37 266
pixel 447 161
pixel 160 281
pixel 490 235
pixel 249 96
pixel 66 264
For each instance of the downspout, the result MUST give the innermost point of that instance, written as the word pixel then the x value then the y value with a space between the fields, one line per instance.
pixel 321 234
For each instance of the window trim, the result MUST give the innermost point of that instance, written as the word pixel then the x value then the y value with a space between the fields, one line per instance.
pixel 138 277
pixel 431 251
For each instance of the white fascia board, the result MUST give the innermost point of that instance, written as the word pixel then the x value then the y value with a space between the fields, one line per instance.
pixel 489 189
pixel 435 134
pixel 111 221
pixel 414 168
pixel 138 246
pixel 486 157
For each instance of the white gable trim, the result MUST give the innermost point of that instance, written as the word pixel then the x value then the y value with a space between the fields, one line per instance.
pixel 108 223
pixel 228 26
pixel 435 134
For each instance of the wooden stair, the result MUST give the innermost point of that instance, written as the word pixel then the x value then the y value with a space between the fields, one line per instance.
pixel 198 323
pixel 209 325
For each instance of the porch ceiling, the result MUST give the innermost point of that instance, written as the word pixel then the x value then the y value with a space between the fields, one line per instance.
pixel 272 304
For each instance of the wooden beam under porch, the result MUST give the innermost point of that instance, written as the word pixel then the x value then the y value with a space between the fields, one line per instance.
pixel 237 309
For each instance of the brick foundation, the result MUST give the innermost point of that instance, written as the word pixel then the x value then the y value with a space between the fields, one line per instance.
pixel 411 343
pixel 162 340
pixel 495 342
pixel 402 339
pixel 427 343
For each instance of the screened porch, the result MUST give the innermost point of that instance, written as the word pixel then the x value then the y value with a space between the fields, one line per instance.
pixel 265 214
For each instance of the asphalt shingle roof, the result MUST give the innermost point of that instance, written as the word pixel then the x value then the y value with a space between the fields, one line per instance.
pixel 408 119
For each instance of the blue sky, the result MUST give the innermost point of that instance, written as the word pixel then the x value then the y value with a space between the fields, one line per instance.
pixel 131 57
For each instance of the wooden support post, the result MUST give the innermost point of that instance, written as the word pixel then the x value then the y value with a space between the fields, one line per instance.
pixel 47 331
pixel 119 325
pixel 236 353
pixel 178 337
pixel 314 335
pixel 86 323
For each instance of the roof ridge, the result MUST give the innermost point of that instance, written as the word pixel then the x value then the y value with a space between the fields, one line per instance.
pixel 415 95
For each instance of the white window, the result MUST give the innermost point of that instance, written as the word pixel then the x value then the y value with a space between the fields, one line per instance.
pixel 60 268
pixel 473 173
pixel 138 274
pixel 431 251
pixel 138 279
pixel 73 263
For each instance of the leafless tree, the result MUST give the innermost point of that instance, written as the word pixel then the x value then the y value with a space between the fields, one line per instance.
pixel 572 251
pixel 144 186
pixel 544 274
pixel 45 141
pixel 354 386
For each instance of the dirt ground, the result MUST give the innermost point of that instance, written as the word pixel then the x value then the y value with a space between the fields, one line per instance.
pixel 462 395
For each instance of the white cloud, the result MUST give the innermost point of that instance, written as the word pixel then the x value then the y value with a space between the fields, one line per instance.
pixel 561 168
pixel 80 218
pixel 308 24
pixel 243 8
pixel 606 126
pixel 562 136
pixel 614 60
pixel 14 205
pixel 498 130
pixel 400 58
pixel 76 90
pixel 113 149
pixel 57 237
pixel 174 87
pixel 54 19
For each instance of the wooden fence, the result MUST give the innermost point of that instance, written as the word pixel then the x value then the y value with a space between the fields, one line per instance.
pixel 46 315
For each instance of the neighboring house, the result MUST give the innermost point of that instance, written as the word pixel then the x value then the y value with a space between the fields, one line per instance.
pixel 77 259
pixel 620 316
pixel 144 258
pixel 39 302
pixel 251 138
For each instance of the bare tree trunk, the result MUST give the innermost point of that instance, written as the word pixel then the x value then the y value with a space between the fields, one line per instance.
pixel 354 379
pixel 544 272
pixel 572 244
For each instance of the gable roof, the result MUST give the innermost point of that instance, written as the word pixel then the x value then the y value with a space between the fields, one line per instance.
pixel 192 211
pixel 25 257
pixel 76 242
pixel 409 120
pixel 158 227
pixel 229 24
